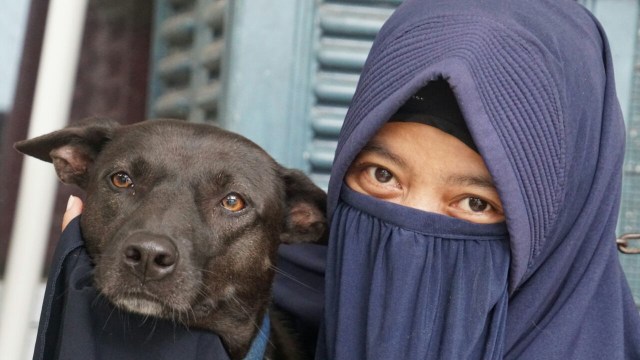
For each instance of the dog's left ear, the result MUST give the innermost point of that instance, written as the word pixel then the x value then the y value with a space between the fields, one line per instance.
pixel 73 149
pixel 306 207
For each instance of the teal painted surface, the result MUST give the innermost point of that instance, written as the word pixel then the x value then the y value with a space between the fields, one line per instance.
pixel 267 75
pixel 290 75
pixel 619 18
pixel 622 29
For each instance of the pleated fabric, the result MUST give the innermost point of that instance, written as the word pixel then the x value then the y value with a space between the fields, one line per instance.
pixel 414 285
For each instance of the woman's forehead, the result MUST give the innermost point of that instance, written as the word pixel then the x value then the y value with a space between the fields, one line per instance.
pixel 421 147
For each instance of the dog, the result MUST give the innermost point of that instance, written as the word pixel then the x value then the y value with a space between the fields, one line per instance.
pixel 183 221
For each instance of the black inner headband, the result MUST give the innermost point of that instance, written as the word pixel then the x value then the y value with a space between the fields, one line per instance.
pixel 435 105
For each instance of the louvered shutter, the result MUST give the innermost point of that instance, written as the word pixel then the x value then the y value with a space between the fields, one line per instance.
pixel 188 45
pixel 345 32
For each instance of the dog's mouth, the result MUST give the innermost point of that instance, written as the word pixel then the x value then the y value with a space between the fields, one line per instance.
pixel 140 303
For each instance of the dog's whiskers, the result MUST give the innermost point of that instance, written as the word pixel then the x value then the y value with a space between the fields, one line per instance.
pixel 100 298
pixel 183 317
pixel 289 276
pixel 104 327
pixel 197 269
pixel 234 298
pixel 191 311
pixel 153 329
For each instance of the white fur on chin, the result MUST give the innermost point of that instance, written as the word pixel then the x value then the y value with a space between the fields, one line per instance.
pixel 140 306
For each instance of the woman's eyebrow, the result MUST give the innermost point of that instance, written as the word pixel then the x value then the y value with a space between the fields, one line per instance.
pixel 379 149
pixel 471 180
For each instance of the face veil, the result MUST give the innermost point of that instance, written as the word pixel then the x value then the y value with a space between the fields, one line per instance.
pixel 414 285
pixel 555 154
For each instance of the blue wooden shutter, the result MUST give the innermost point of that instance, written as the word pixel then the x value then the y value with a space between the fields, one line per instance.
pixel 188 46
pixel 344 34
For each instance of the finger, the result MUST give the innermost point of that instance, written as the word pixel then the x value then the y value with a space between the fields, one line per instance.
pixel 74 208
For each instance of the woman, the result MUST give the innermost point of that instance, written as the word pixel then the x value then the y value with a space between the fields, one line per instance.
pixel 534 83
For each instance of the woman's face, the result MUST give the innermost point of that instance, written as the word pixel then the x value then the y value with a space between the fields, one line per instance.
pixel 422 167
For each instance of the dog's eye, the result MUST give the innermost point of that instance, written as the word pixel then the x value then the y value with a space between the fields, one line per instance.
pixel 121 180
pixel 233 202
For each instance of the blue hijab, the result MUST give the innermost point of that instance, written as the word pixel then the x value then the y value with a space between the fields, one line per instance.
pixel 534 82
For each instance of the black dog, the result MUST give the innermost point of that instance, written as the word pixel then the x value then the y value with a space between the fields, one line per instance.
pixel 183 221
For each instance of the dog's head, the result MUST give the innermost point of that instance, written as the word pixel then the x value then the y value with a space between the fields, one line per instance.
pixel 181 219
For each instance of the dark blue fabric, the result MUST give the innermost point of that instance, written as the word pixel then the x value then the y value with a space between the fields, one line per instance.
pixel 77 324
pixel 298 291
pixel 535 85
pixel 407 284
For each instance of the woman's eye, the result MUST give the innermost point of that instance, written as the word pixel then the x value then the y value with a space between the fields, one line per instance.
pixel 233 202
pixel 121 180
pixel 474 204
pixel 381 174
pixel 374 180
pixel 477 210
pixel 478 205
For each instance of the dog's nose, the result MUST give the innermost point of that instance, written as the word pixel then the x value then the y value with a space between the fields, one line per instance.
pixel 150 257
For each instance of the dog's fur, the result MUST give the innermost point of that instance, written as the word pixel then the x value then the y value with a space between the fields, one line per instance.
pixel 163 243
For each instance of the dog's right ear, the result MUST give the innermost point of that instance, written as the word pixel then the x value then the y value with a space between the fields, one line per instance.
pixel 72 150
pixel 306 207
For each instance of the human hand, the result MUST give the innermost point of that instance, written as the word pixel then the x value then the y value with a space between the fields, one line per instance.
pixel 74 208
